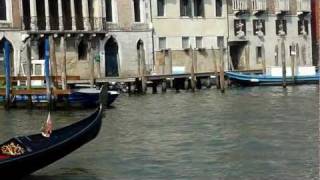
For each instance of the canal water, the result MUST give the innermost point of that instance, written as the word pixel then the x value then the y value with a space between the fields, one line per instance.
pixel 256 133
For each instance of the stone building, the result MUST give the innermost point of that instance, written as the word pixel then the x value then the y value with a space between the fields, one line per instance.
pixel 316 31
pixel 100 36
pixel 181 24
pixel 10 24
pixel 257 28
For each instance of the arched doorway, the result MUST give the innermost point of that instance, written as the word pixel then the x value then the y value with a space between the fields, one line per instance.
pixel 111 58
pixel 2 57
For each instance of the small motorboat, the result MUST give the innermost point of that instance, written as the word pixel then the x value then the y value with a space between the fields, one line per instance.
pixel 21 156
pixel 306 75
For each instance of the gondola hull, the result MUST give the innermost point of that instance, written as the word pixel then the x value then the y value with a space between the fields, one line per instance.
pixel 61 143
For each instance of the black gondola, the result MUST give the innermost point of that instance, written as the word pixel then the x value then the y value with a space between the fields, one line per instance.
pixel 39 151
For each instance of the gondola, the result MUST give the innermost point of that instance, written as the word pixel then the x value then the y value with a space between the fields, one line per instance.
pixel 34 152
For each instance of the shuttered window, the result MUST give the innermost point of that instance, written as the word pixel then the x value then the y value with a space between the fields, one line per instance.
pixel 137 16
pixel 185 42
pixel 218 8
pixel 303 26
pixel 198 8
pixel 259 25
pixel 199 42
pixel 162 43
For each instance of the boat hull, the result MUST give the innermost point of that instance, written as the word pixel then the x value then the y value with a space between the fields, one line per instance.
pixel 263 80
pixel 15 168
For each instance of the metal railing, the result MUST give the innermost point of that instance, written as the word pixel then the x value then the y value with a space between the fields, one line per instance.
pixel 240 5
pixel 282 5
pixel 303 6
pixel 259 5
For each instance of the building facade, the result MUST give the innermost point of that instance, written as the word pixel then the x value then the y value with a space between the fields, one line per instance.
pixel 316 31
pixel 257 28
pixel 186 29
pixel 110 38
pixel 99 36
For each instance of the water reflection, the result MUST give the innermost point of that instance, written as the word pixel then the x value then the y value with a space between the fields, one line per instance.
pixel 247 133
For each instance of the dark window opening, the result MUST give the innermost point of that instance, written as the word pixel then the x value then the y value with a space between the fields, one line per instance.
pixel 161 4
pixel 136 4
pixel 3 10
pixel 303 27
pixel 41 49
pixel 240 27
pixel 185 8
pixel 259 27
pixel 218 8
pixel 281 27
pixel 109 17
pixel 198 8
pixel 259 55
pixel 220 41
pixel 82 50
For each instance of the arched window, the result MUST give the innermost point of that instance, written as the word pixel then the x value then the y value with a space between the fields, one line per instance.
pixel 82 50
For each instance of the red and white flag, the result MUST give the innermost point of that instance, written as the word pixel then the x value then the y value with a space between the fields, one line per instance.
pixel 47 127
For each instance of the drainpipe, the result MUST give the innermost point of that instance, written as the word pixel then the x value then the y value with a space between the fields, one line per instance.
pixel 152 37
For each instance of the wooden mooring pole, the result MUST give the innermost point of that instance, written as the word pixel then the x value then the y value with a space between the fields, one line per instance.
pixel 215 69
pixel 8 73
pixel 222 83
pixel 91 62
pixel 292 53
pixel 47 70
pixel 193 78
pixel 283 59
pixel 63 63
pixel 28 71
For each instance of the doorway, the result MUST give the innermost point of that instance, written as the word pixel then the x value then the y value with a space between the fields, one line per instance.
pixel 111 58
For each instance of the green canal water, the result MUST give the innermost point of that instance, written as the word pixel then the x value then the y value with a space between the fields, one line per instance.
pixel 257 133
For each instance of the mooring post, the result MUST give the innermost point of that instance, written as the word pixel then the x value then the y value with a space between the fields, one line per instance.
pixel 129 88
pixel 28 71
pixel 292 53
pixel 53 61
pixel 215 69
pixel 91 62
pixel 154 87
pixel 8 73
pixel 263 60
pixel 193 83
pixel 63 63
pixel 47 70
pixel 283 59
pixel 143 68
pixel 186 83
pixel 164 85
pixel 222 83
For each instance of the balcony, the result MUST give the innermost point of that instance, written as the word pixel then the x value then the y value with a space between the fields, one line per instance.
pixel 258 6
pixel 303 6
pixel 282 6
pixel 239 6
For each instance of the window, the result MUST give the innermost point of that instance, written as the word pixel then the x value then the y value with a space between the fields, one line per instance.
pixel 82 50
pixel 240 27
pixel 185 42
pixel 136 6
pixel 199 42
pixel 259 55
pixel 198 8
pixel 220 41
pixel 162 43
pixel 161 4
pixel 303 27
pixel 109 17
pixel 218 8
pixel 281 27
pixel 259 27
pixel 185 8
pixel 41 49
pixel 3 10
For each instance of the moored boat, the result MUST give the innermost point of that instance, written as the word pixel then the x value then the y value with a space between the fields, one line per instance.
pixel 306 75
